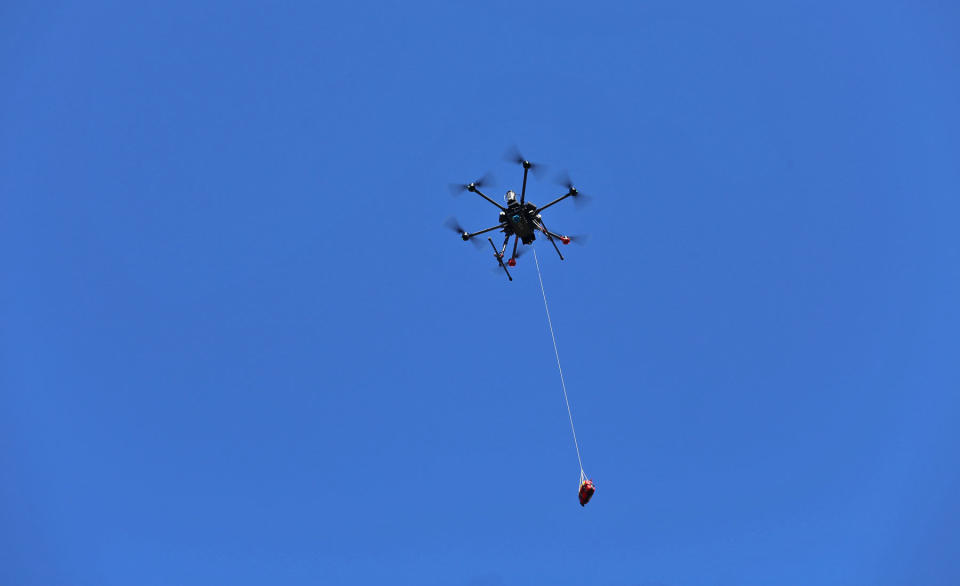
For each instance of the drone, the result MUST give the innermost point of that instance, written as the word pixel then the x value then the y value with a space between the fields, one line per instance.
pixel 520 218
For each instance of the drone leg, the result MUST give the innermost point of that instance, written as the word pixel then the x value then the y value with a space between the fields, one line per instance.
pixel 515 242
pixel 499 257
pixel 550 236
pixel 504 248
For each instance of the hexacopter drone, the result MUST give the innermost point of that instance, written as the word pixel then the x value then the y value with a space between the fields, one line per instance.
pixel 520 219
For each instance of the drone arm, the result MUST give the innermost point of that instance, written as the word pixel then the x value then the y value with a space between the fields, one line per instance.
pixel 472 234
pixel 523 191
pixel 478 192
pixel 558 200
pixel 551 234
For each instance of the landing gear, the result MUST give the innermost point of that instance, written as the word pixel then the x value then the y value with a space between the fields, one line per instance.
pixel 499 256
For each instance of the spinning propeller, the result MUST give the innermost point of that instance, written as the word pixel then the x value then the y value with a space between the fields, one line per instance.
pixel 458 188
pixel 514 155
pixel 455 225
pixel 579 239
pixel 579 199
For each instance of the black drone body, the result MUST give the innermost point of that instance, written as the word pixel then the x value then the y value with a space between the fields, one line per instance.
pixel 520 218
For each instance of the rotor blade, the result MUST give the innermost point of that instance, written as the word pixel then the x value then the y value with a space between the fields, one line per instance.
pixel 484 180
pixel 514 155
pixel 563 178
pixel 458 188
pixel 455 225
pixel 579 198
pixel 580 239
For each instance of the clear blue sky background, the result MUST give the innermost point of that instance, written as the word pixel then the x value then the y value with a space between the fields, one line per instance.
pixel 239 347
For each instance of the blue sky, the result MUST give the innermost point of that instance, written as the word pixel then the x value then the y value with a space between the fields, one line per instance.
pixel 239 347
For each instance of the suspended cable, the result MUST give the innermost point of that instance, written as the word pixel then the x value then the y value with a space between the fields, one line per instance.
pixel 576 444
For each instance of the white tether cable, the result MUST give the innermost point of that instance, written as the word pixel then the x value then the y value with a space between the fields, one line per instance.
pixel 560 368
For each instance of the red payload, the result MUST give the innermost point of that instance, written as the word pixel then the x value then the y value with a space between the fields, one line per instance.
pixel 586 491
